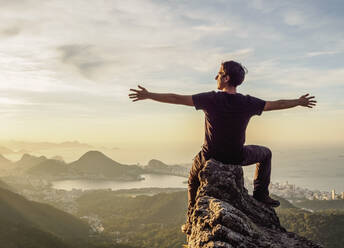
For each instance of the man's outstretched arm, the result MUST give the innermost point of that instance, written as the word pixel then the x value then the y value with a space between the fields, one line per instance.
pixel 143 94
pixel 305 101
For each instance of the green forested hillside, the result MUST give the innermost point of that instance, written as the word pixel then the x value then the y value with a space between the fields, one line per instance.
pixel 154 221
pixel 326 227
pixel 142 221
pixel 22 234
pixel 162 208
pixel 20 217
pixel 145 221
pixel 320 204
pixel 284 202
pixel 28 224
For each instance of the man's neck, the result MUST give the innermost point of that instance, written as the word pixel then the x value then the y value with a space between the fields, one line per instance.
pixel 230 90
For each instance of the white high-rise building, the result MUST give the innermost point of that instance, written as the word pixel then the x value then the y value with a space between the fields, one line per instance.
pixel 333 194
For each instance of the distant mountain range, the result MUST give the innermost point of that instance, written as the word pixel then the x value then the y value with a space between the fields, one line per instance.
pixel 49 168
pixel 91 165
pixel 28 161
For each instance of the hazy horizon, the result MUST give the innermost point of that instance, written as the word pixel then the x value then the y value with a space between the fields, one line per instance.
pixel 72 150
pixel 303 166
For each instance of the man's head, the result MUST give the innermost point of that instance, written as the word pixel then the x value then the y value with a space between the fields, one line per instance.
pixel 231 73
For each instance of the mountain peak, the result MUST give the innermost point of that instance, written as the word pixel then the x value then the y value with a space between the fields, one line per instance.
pixel 28 157
pixel 154 163
pixel 94 155
pixel 226 216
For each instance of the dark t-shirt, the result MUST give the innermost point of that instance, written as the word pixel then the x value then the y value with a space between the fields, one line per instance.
pixel 226 119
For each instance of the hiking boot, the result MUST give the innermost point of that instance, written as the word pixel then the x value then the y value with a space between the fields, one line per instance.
pixel 268 201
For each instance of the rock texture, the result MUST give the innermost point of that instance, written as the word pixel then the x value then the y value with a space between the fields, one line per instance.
pixel 225 216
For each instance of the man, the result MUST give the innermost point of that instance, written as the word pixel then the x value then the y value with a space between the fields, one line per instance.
pixel 227 114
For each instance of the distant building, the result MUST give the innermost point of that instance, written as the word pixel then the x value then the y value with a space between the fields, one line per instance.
pixel 333 194
pixel 316 196
pixel 343 195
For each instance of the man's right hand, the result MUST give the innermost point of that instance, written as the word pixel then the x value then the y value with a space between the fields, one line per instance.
pixel 306 101
pixel 139 94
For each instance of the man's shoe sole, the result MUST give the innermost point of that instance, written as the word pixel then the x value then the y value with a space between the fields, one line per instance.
pixel 274 205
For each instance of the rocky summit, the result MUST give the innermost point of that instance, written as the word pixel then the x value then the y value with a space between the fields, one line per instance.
pixel 226 216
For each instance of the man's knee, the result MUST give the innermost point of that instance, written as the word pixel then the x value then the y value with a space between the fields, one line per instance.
pixel 267 152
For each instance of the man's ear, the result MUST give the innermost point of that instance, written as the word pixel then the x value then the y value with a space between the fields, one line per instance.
pixel 227 78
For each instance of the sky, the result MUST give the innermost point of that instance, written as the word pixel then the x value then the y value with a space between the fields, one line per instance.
pixel 66 68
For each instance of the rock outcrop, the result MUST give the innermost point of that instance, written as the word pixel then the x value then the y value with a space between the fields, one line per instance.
pixel 226 216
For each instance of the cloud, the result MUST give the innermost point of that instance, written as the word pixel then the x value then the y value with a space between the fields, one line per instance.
pixel 11 31
pixel 78 104
pixel 297 77
pixel 217 28
pixel 294 18
pixel 11 101
pixel 150 37
pixel 320 53
pixel 89 62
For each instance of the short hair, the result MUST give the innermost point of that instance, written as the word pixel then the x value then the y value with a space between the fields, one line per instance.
pixel 235 71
